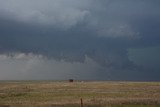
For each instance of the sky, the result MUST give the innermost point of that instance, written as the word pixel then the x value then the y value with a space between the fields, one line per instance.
pixel 80 39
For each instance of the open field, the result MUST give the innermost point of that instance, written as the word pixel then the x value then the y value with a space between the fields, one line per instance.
pixel 65 94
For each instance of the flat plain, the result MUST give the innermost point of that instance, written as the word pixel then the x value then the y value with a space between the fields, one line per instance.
pixel 66 94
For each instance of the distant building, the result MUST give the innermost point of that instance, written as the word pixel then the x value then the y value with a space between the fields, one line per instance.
pixel 71 80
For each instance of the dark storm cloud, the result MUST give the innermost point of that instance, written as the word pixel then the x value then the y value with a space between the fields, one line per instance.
pixel 75 32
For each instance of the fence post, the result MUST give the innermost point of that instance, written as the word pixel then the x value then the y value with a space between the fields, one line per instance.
pixel 81 102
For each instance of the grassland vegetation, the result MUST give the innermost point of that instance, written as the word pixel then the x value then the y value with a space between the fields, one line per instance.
pixel 65 94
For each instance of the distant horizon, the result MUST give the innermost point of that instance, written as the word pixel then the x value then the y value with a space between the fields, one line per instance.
pixel 74 80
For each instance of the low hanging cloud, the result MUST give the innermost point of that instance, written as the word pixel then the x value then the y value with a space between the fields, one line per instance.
pixel 83 39
pixel 23 66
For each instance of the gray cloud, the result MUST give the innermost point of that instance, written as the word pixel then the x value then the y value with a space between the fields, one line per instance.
pixel 21 66
pixel 30 66
pixel 59 13
pixel 66 34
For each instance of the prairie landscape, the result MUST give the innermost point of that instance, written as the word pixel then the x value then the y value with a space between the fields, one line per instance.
pixel 67 94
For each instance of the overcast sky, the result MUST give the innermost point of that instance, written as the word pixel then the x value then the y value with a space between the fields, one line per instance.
pixel 80 39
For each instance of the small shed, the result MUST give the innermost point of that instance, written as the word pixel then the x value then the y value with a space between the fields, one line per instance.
pixel 71 80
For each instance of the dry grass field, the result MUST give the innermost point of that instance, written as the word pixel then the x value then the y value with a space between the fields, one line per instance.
pixel 65 94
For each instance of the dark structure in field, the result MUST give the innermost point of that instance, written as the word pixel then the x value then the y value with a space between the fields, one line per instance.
pixel 71 80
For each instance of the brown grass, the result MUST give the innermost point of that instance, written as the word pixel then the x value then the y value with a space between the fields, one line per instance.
pixel 65 94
